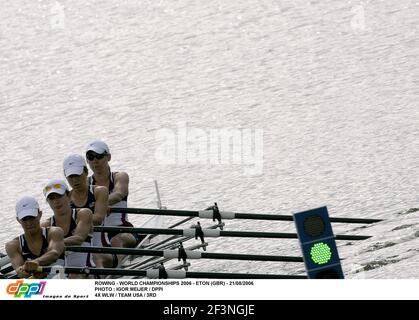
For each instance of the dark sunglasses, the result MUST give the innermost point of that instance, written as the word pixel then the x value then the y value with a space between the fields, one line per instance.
pixel 92 156
pixel 28 218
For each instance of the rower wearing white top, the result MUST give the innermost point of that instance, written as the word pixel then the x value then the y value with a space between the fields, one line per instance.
pixel 76 223
pixel 98 157
pixel 92 197
pixel 37 246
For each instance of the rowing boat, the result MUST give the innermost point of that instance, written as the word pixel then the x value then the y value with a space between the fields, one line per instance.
pixel 164 244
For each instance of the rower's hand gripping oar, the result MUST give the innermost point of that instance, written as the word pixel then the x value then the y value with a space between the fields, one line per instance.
pixel 56 272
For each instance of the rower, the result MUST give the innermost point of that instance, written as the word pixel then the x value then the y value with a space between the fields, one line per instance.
pixel 95 198
pixel 37 246
pixel 75 223
pixel 98 157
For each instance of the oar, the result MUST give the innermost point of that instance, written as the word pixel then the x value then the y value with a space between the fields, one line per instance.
pixel 4 260
pixel 189 254
pixel 153 261
pixel 209 214
pixel 6 269
pixel 174 274
pixel 218 233
pixel 168 243
pixel 175 239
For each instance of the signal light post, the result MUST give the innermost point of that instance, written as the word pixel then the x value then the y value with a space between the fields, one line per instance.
pixel 318 244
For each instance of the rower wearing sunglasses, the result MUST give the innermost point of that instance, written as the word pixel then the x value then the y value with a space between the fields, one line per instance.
pixel 37 246
pixel 95 198
pixel 76 223
pixel 98 157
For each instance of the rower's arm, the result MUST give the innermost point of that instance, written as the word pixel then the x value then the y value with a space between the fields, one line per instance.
pixel 121 188
pixel 12 250
pixel 84 227
pixel 101 205
pixel 55 247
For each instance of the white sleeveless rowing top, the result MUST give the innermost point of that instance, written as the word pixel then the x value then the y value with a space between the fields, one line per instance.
pixel 115 218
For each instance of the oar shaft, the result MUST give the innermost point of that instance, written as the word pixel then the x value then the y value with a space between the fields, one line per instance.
pixel 355 220
pixel 4 261
pixel 253 257
pixel 140 230
pixel 190 254
pixel 161 212
pixel 130 251
pixel 176 274
pixel 208 275
pixel 218 233
pixel 351 237
pixel 237 215
pixel 6 270
pixel 290 218
pixel 255 234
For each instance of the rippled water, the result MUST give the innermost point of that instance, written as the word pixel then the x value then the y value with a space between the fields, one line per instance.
pixel 333 85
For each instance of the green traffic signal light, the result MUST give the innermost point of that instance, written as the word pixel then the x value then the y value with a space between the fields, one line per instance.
pixel 318 244
pixel 320 253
